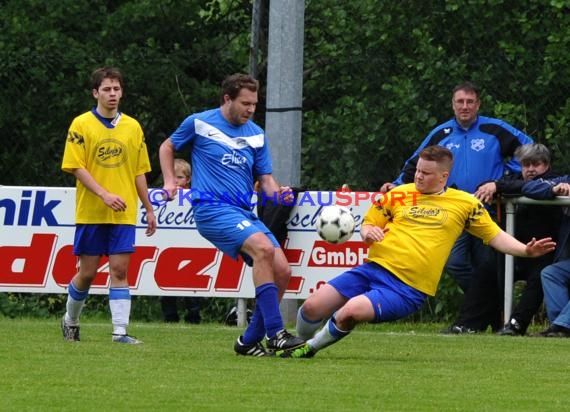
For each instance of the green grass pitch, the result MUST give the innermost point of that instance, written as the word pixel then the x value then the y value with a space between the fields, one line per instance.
pixel 391 367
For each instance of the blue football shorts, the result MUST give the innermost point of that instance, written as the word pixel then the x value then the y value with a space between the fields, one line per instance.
pixel 391 298
pixel 103 239
pixel 228 227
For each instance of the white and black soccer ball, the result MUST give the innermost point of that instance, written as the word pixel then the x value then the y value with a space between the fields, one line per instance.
pixel 335 224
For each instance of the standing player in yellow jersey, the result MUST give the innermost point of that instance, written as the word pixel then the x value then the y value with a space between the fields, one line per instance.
pixel 106 152
pixel 410 240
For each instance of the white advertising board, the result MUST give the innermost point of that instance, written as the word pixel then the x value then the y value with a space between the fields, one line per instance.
pixel 36 240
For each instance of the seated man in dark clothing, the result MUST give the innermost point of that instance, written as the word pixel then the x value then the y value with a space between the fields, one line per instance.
pixel 483 302
pixel 556 277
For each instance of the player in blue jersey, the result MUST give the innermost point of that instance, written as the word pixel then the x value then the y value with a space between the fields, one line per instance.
pixel 483 150
pixel 228 152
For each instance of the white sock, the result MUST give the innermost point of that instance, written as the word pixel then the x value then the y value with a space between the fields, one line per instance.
pixel 75 302
pixel 120 305
pixel 306 328
pixel 328 335
pixel 73 311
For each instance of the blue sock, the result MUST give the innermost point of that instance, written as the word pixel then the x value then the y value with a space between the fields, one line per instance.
pixel 334 331
pixel 75 302
pixel 255 331
pixel 76 293
pixel 266 298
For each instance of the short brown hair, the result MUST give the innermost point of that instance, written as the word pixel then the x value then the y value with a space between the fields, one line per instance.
pixel 235 82
pixel 439 154
pixel 468 87
pixel 103 73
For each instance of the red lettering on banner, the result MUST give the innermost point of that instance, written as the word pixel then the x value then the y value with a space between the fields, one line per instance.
pixel 230 274
pixel 34 261
pixel 65 266
pixel 182 268
pixel 176 268
pixel 295 284
pixel 319 284
pixel 142 255
pixel 295 258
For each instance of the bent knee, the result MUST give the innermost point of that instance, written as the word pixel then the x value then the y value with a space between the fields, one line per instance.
pixel 312 310
pixel 119 273
pixel 265 252
pixel 355 312
pixel 285 272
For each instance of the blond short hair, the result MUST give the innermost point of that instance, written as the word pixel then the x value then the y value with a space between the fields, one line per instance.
pixel 183 166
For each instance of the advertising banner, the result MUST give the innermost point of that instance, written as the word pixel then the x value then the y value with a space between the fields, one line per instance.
pixel 36 242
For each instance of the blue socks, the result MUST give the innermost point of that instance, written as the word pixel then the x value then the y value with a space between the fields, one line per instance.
pixel 75 302
pixel 266 319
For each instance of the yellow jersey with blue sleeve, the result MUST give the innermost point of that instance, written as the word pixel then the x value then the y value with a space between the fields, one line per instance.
pixel 114 153
pixel 422 231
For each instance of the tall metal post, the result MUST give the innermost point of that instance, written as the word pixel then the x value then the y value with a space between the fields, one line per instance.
pixel 284 98
pixel 509 265
pixel 256 14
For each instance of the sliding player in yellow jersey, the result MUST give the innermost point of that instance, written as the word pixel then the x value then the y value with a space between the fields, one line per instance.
pixel 410 240
pixel 106 152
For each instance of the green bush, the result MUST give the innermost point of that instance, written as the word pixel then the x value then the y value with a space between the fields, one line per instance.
pixel 144 308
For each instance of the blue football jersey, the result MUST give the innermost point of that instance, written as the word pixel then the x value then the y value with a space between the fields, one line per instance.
pixel 225 157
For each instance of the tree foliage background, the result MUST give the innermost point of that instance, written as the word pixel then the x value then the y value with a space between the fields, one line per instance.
pixel 378 75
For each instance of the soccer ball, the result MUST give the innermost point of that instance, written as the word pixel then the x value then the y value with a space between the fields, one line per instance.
pixel 335 224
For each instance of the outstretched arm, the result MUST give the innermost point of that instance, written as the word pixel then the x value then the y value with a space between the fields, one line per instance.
pixel 505 243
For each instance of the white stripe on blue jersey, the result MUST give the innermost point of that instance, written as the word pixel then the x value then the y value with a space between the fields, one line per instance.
pixel 236 142
pixel 225 157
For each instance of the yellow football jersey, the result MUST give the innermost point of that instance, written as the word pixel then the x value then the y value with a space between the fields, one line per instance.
pixel 423 229
pixel 114 153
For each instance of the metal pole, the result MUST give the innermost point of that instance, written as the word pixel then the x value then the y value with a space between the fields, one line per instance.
pixel 242 312
pixel 510 229
pixel 509 265
pixel 256 14
pixel 284 99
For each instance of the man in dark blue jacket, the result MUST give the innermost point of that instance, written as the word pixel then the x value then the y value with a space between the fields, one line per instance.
pixel 483 150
